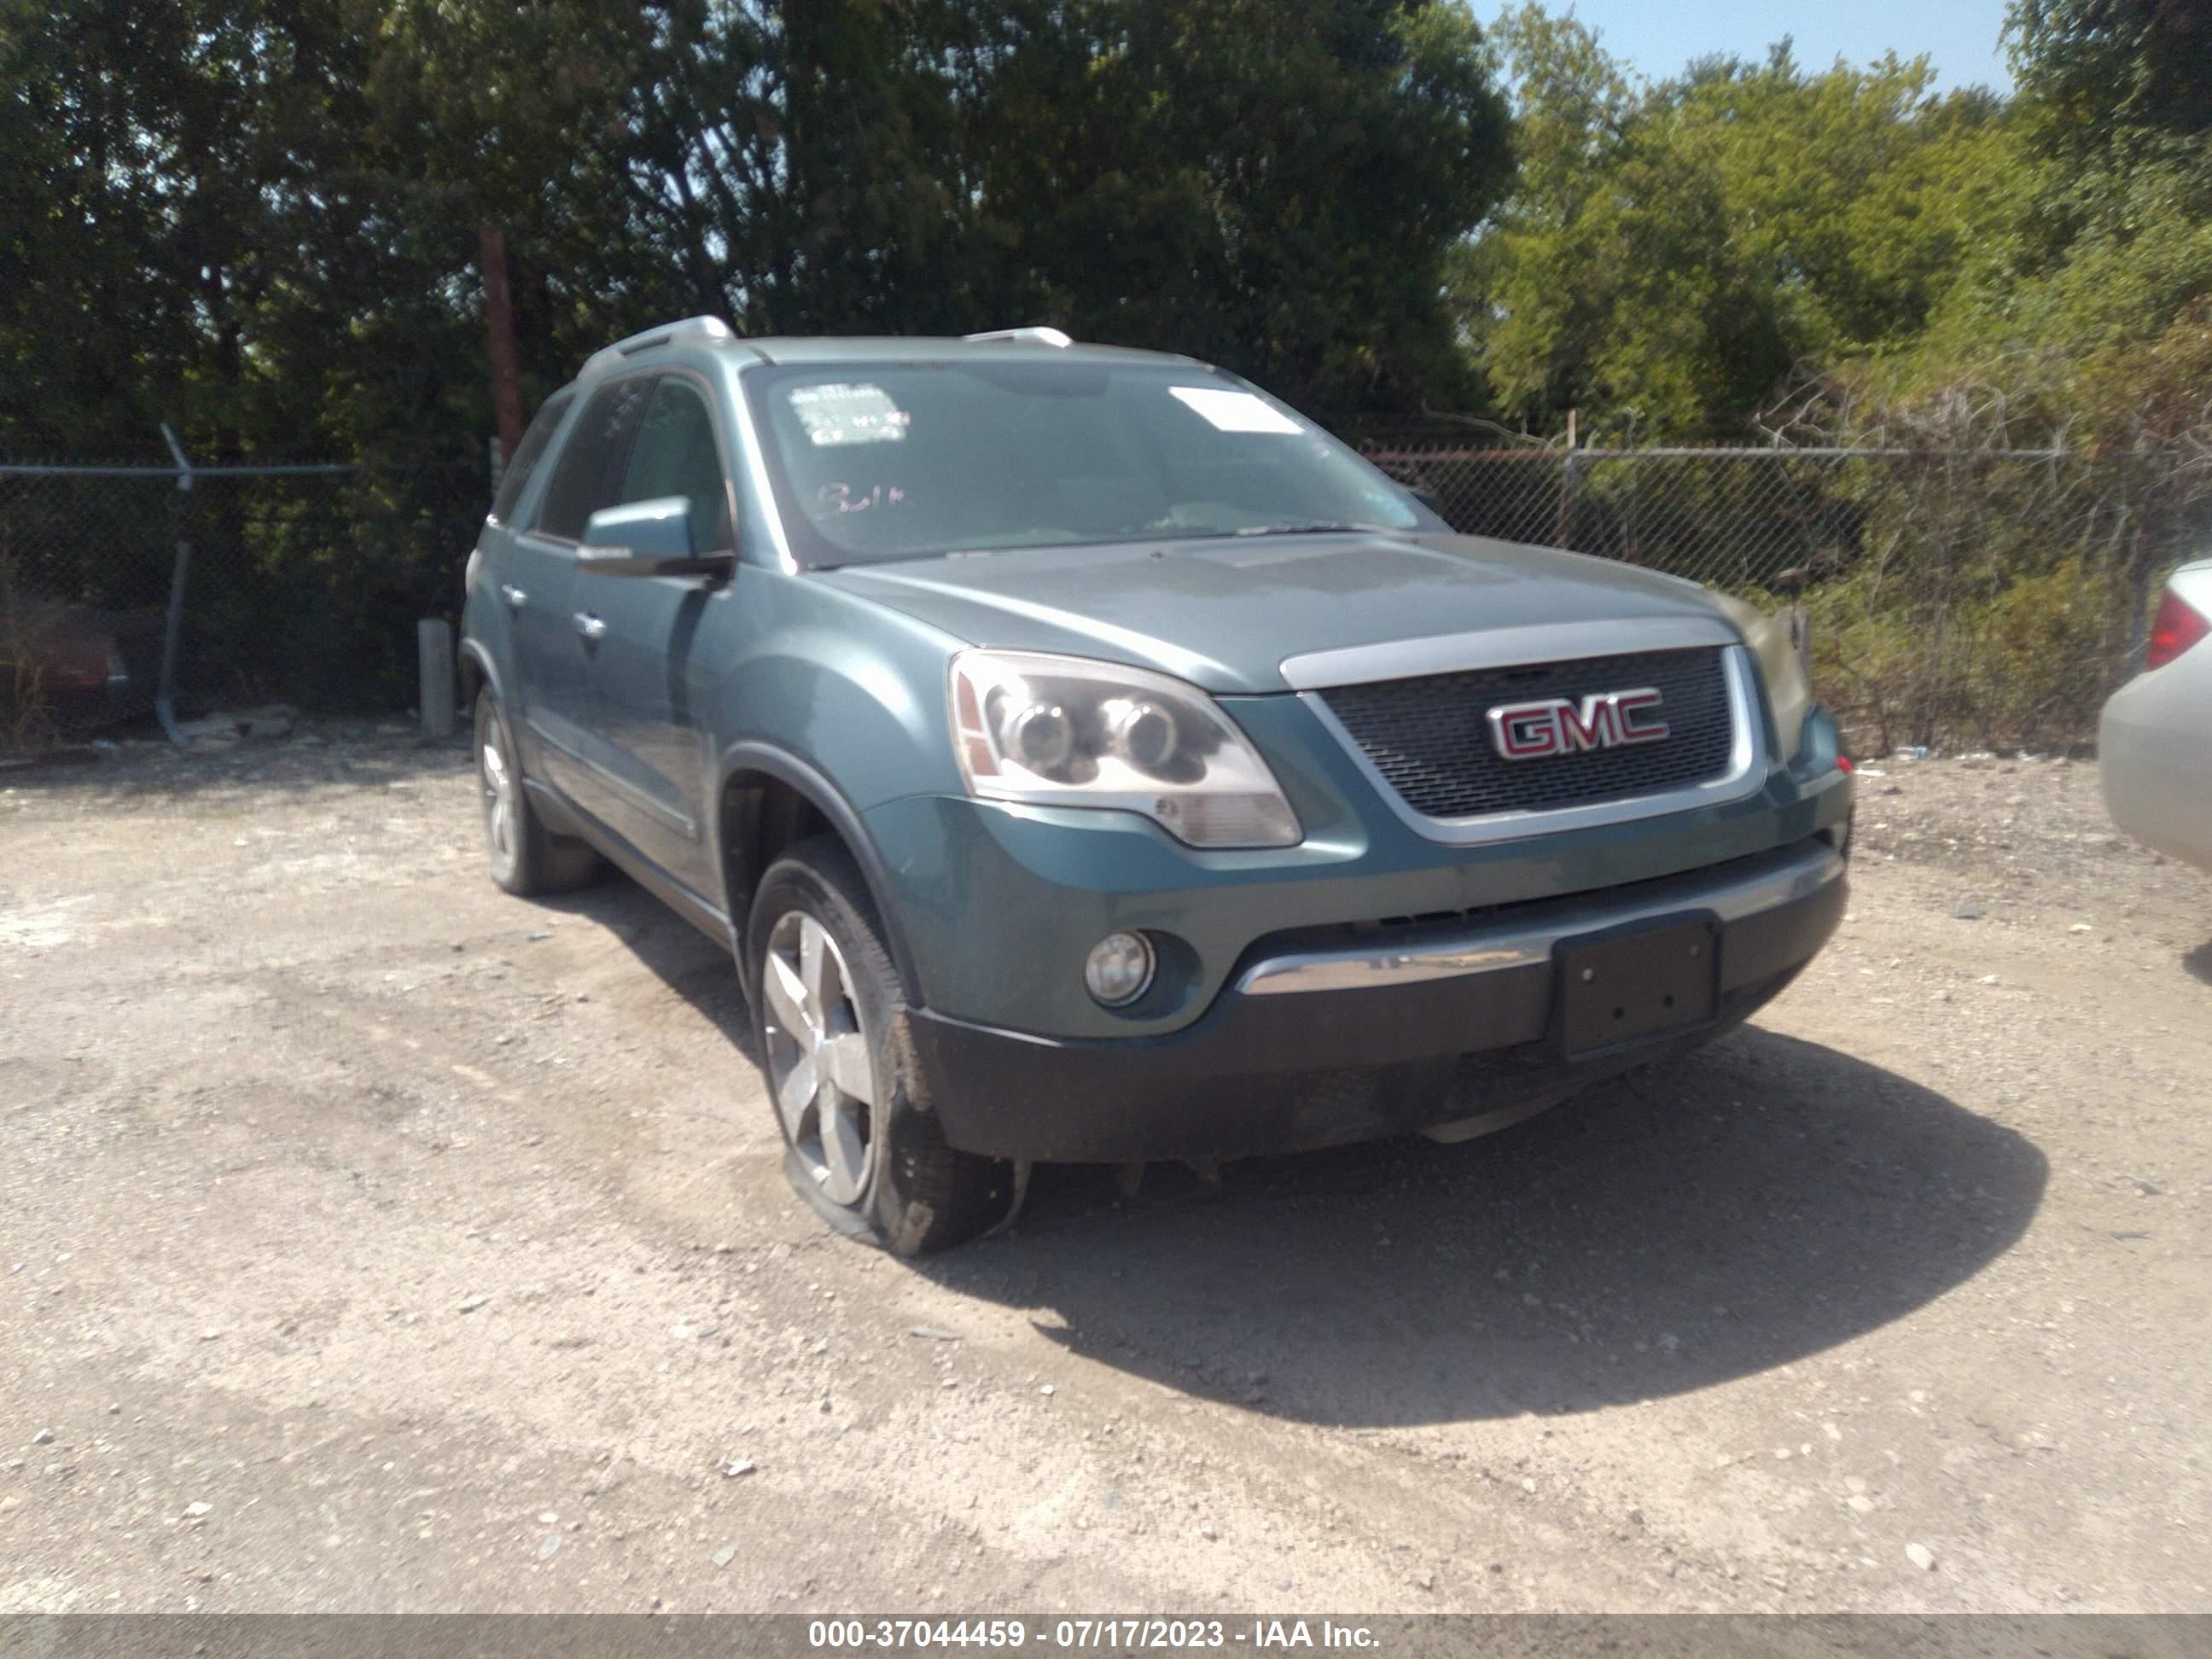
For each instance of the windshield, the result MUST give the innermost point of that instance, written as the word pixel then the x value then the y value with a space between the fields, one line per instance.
pixel 877 461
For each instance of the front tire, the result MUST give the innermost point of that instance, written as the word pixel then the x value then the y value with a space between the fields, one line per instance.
pixel 829 1022
pixel 527 858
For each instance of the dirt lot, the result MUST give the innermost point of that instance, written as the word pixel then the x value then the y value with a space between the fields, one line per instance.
pixel 373 1241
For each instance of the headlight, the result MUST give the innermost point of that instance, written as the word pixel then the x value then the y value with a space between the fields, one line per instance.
pixel 1782 646
pixel 1066 731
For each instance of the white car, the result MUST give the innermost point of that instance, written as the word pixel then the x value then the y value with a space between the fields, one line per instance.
pixel 2154 743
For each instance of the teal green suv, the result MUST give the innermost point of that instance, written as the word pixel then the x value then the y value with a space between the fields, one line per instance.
pixel 1088 758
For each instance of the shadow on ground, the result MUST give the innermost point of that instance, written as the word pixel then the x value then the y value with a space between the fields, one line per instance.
pixel 2199 962
pixel 1760 1202
pixel 683 958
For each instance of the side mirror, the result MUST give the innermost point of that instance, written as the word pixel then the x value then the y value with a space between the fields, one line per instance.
pixel 646 538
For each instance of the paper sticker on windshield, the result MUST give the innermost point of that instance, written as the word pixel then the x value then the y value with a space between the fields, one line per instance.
pixel 842 414
pixel 1234 411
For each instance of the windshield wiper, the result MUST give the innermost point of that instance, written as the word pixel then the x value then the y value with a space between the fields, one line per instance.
pixel 1313 528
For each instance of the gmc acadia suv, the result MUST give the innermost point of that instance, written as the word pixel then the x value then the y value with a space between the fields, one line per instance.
pixel 1086 757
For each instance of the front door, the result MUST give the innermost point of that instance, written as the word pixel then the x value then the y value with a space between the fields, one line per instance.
pixel 649 673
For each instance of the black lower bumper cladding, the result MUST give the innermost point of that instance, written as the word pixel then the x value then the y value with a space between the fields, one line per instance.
pixel 1266 1074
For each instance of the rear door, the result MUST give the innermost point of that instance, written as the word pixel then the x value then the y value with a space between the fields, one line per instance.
pixel 496 617
pixel 554 640
pixel 647 674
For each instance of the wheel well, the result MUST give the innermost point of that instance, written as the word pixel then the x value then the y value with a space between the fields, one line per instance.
pixel 761 816
pixel 472 679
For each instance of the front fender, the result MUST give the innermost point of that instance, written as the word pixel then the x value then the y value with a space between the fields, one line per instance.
pixel 478 670
pixel 842 700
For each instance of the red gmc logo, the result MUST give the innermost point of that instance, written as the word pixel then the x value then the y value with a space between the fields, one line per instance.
pixel 1559 726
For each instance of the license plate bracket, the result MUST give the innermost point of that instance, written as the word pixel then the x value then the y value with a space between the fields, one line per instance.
pixel 1642 981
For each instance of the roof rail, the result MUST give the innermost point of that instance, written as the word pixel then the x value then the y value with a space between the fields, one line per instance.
pixel 691 328
pixel 1051 337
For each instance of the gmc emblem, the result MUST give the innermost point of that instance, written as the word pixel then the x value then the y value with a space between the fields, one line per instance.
pixel 1559 726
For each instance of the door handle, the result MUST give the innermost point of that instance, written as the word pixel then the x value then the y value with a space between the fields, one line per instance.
pixel 515 598
pixel 590 626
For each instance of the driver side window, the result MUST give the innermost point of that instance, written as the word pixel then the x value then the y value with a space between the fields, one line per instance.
pixel 589 474
pixel 678 453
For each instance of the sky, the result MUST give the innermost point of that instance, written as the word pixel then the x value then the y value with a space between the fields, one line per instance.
pixel 1660 36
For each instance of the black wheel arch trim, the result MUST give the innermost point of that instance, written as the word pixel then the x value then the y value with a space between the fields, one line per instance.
pixel 474 651
pixel 752 755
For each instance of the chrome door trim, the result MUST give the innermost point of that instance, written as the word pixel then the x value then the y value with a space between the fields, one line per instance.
pixel 1501 647
pixel 1745 777
pixel 1523 943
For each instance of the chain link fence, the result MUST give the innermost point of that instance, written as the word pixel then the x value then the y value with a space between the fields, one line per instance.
pixel 1985 598
pixel 297 584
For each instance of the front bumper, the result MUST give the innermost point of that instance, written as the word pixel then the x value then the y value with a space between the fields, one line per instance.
pixel 1336 1036
pixel 998 904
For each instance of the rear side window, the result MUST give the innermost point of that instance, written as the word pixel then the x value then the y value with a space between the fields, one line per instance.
pixel 528 453
pixel 588 473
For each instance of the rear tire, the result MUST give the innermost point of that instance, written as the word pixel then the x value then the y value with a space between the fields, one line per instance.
pixel 527 858
pixel 829 1022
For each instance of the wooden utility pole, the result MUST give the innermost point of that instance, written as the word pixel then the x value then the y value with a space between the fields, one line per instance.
pixel 499 330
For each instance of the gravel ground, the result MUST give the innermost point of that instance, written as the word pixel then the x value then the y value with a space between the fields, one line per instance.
pixel 373 1241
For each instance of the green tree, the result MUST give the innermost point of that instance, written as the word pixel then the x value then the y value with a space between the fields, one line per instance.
pixel 1673 253
pixel 2094 71
pixel 262 219
pixel 1273 187
pixel 171 173
pixel 2106 243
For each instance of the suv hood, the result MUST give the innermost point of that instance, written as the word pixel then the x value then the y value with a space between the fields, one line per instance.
pixel 1224 612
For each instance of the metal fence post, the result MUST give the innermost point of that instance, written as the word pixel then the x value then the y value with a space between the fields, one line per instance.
pixel 173 629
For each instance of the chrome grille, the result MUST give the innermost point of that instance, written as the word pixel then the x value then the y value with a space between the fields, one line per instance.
pixel 1429 738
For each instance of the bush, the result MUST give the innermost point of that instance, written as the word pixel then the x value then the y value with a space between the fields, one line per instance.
pixel 2024 662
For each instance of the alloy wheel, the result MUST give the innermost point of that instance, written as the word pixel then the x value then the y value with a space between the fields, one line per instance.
pixel 820 1063
pixel 498 780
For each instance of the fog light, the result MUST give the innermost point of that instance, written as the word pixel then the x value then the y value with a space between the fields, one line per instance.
pixel 1120 969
